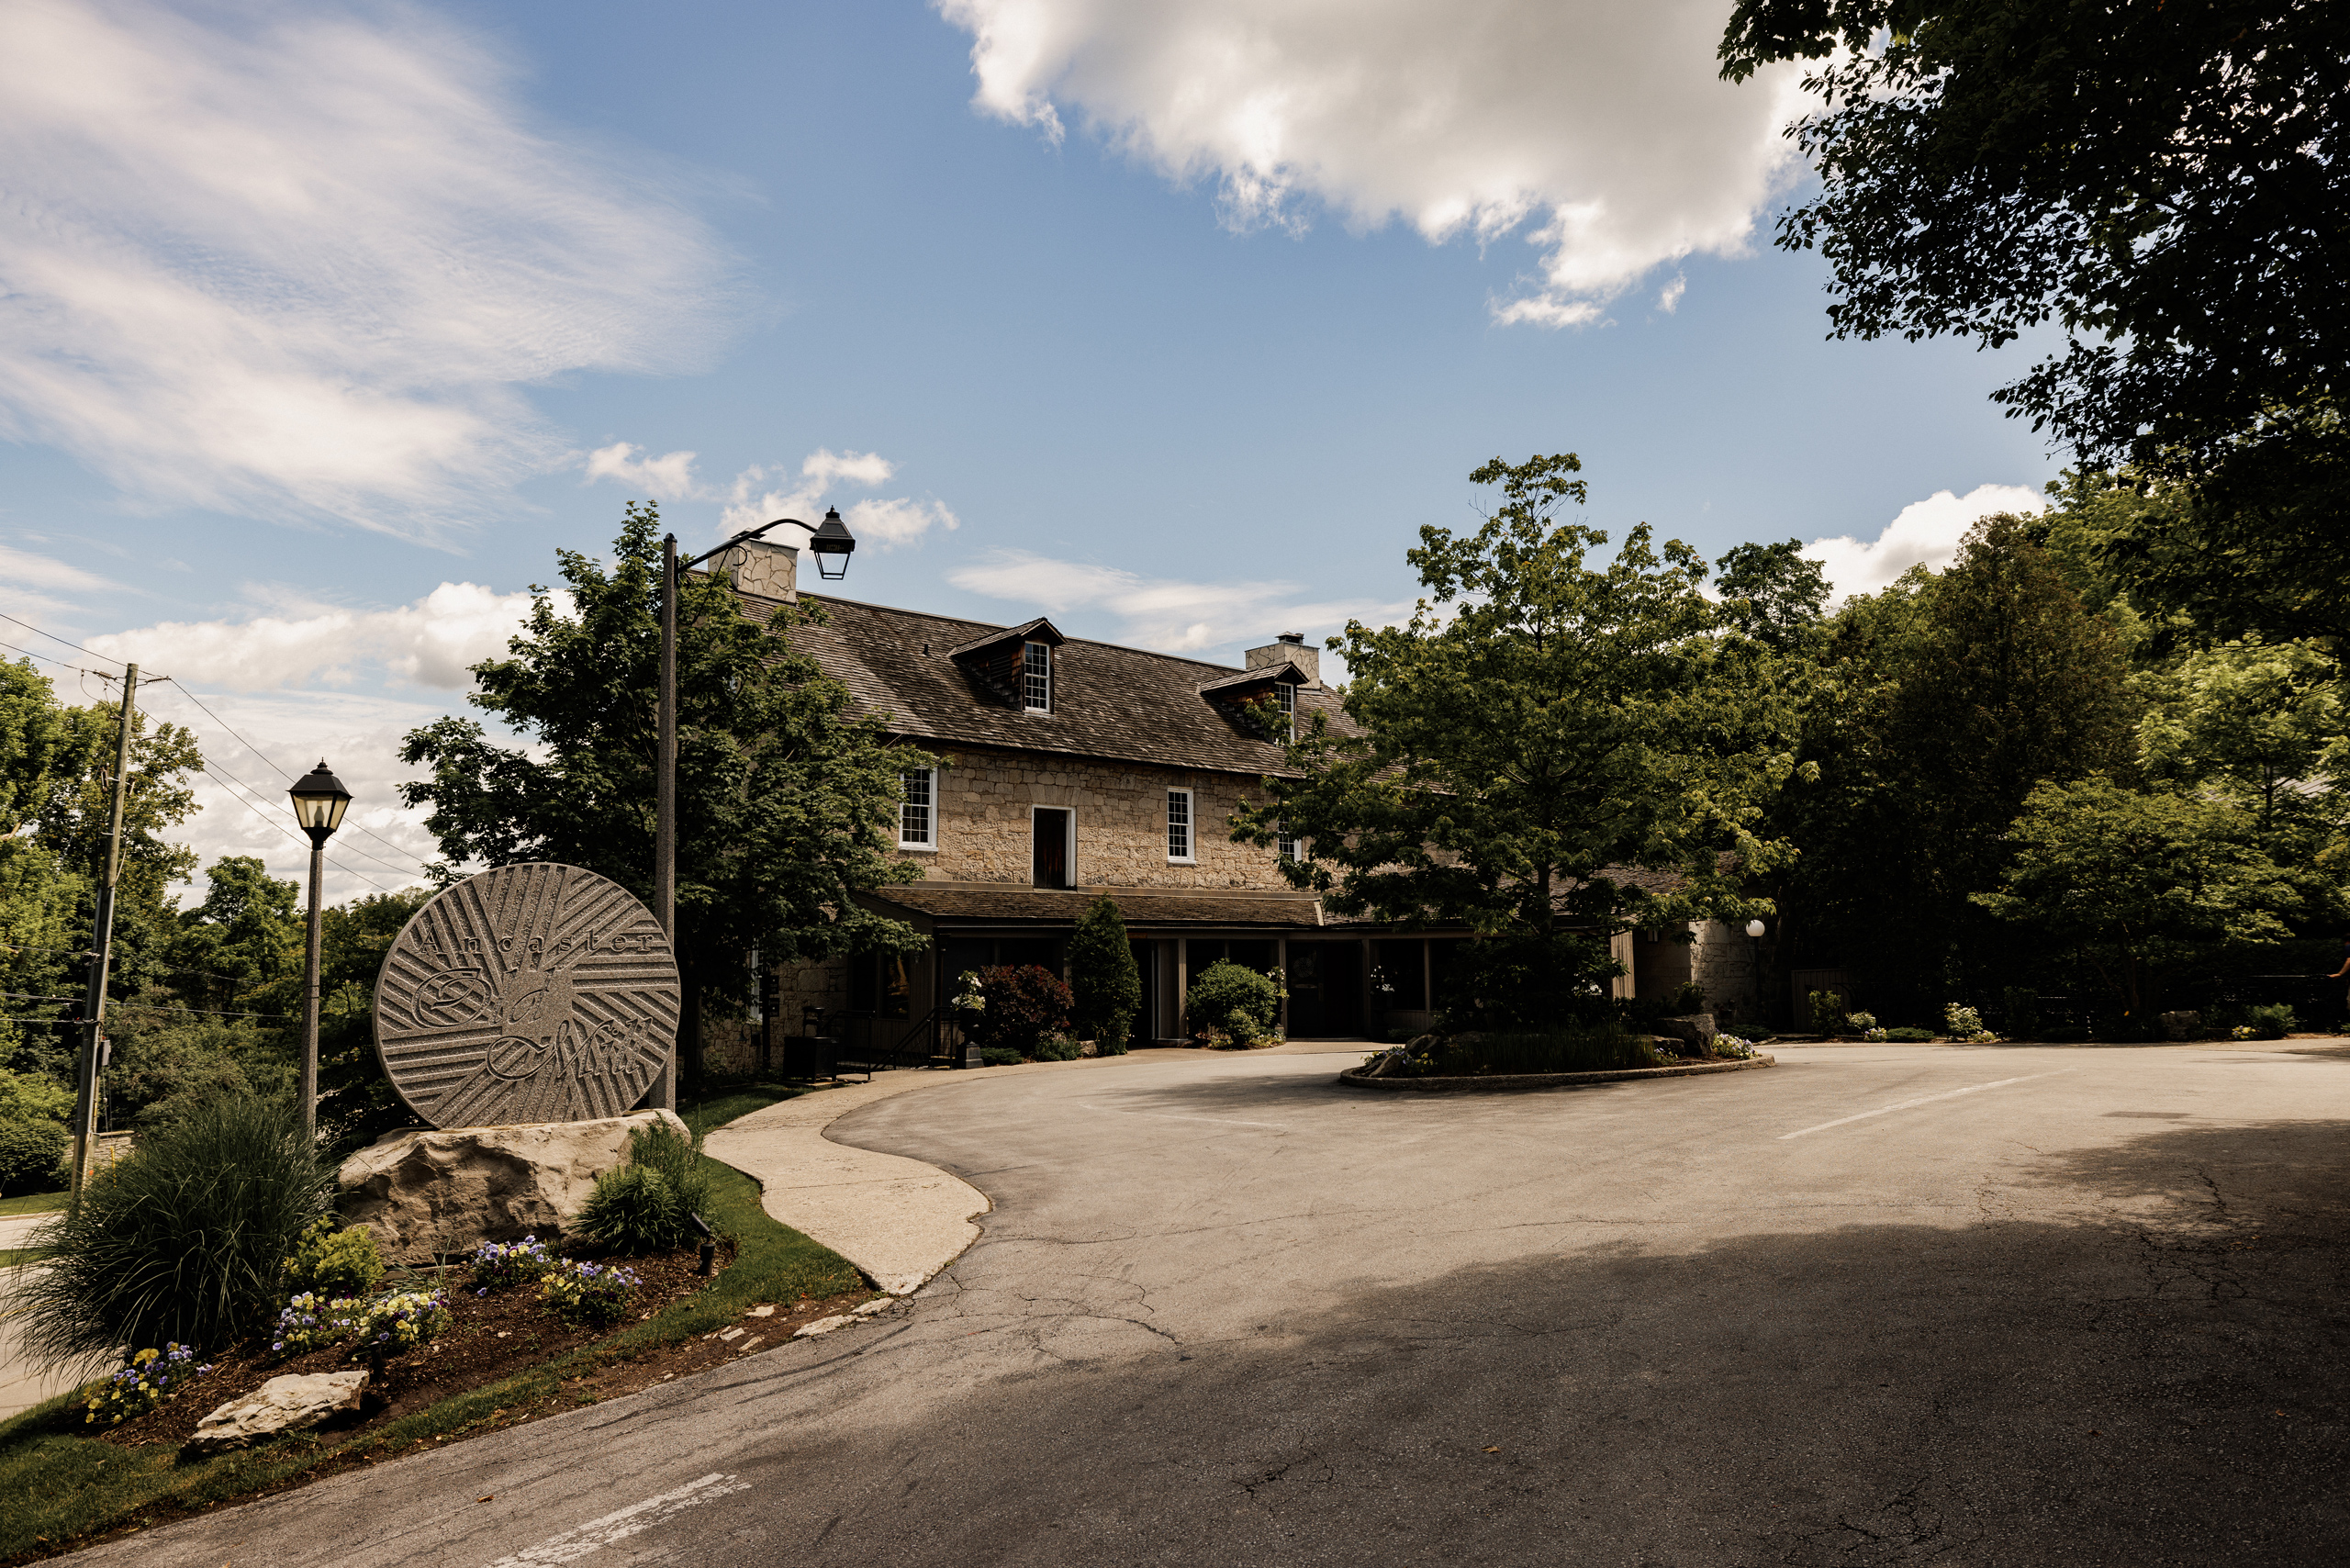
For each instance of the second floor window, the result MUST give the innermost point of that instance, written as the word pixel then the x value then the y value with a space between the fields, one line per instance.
pixel 1178 824
pixel 918 811
pixel 1288 843
pixel 1037 678
pixel 1286 695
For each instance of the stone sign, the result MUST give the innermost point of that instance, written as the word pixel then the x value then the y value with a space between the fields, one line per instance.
pixel 530 994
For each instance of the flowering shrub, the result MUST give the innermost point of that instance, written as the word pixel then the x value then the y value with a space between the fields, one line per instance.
pixel 588 1294
pixel 1874 1034
pixel 1733 1046
pixel 502 1265
pixel 152 1377
pixel 398 1324
pixel 1864 1022
pixel 1962 1023
pixel 311 1320
pixel 1022 1006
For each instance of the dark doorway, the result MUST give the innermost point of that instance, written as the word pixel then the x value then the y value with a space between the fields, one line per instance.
pixel 1146 1025
pixel 1325 988
pixel 1049 857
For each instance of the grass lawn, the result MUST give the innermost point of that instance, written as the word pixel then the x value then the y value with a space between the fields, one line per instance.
pixel 730 1102
pixel 32 1204
pixel 70 1488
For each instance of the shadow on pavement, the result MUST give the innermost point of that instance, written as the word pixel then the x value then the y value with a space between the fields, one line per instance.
pixel 2120 1390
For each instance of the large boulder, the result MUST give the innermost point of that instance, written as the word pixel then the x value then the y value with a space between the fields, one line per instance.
pixel 430 1193
pixel 281 1405
pixel 1695 1029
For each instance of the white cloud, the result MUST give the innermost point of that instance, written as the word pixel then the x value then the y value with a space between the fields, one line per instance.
pixel 296 260
pixel 1669 300
pixel 670 475
pixel 429 643
pixel 1602 123
pixel 1926 534
pixel 1167 614
pixel 241 796
pixel 888 523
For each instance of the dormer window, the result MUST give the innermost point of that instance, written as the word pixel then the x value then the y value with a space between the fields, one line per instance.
pixel 1037 678
pixel 1285 693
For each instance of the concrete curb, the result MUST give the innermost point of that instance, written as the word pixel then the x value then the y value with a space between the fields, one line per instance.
pixel 1354 1078
pixel 901 1221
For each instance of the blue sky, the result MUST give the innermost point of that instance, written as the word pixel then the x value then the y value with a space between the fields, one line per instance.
pixel 322 328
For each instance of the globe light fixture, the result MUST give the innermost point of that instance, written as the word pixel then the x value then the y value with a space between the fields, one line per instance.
pixel 319 801
pixel 1754 928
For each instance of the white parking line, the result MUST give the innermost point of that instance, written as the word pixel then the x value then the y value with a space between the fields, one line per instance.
pixel 1923 1100
pixel 596 1534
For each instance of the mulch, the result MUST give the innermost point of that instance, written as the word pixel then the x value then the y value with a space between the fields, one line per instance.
pixel 491 1337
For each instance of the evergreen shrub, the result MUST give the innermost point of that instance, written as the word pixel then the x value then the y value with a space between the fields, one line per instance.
pixel 1105 986
pixel 32 1157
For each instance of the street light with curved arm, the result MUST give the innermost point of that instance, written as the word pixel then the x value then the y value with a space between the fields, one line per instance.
pixel 829 541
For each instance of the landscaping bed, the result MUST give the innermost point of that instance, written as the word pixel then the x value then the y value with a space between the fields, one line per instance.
pixel 503 1359
pixel 1360 1078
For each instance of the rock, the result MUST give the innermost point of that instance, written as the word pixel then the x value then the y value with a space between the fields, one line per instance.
pixel 2182 1026
pixel 1695 1029
pixel 878 1304
pixel 823 1325
pixel 428 1194
pixel 281 1404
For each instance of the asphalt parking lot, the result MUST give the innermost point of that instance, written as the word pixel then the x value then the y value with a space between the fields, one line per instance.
pixel 1874 1304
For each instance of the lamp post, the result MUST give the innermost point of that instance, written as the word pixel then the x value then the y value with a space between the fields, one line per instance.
pixel 828 541
pixel 1754 929
pixel 319 801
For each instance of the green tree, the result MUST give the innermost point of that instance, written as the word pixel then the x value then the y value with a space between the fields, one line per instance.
pixel 787 797
pixel 56 767
pixel 1103 976
pixel 1771 592
pixel 1542 733
pixel 2139 884
pixel 2170 184
pixel 2257 718
pixel 1938 707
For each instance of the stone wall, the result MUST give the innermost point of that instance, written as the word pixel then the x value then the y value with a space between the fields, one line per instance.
pixel 1719 958
pixel 983 830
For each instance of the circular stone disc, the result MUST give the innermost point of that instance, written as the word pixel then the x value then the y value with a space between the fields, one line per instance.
pixel 531 994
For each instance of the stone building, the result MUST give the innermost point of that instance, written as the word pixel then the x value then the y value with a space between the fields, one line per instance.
pixel 1067 769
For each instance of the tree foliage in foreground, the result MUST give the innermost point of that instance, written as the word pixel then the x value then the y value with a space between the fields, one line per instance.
pixel 786 799
pixel 2169 184
pixel 1550 751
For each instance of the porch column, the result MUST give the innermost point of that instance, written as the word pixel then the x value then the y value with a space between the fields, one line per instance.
pixel 1182 980
pixel 1280 956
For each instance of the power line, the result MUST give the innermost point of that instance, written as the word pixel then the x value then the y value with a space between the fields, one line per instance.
pixel 272 820
pixel 103 675
pixel 270 762
pixel 55 638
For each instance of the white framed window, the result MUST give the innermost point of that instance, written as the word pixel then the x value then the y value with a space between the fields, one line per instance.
pixel 1287 843
pixel 1178 827
pixel 1286 693
pixel 1036 677
pixel 918 811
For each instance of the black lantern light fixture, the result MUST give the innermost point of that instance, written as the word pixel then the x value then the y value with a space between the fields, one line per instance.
pixel 830 542
pixel 319 801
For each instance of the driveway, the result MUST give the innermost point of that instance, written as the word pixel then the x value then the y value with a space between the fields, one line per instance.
pixel 1876 1305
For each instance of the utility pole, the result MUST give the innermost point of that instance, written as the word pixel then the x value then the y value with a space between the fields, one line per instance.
pixel 94 1007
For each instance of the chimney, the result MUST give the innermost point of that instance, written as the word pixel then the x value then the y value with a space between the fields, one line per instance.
pixel 769 571
pixel 1289 648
